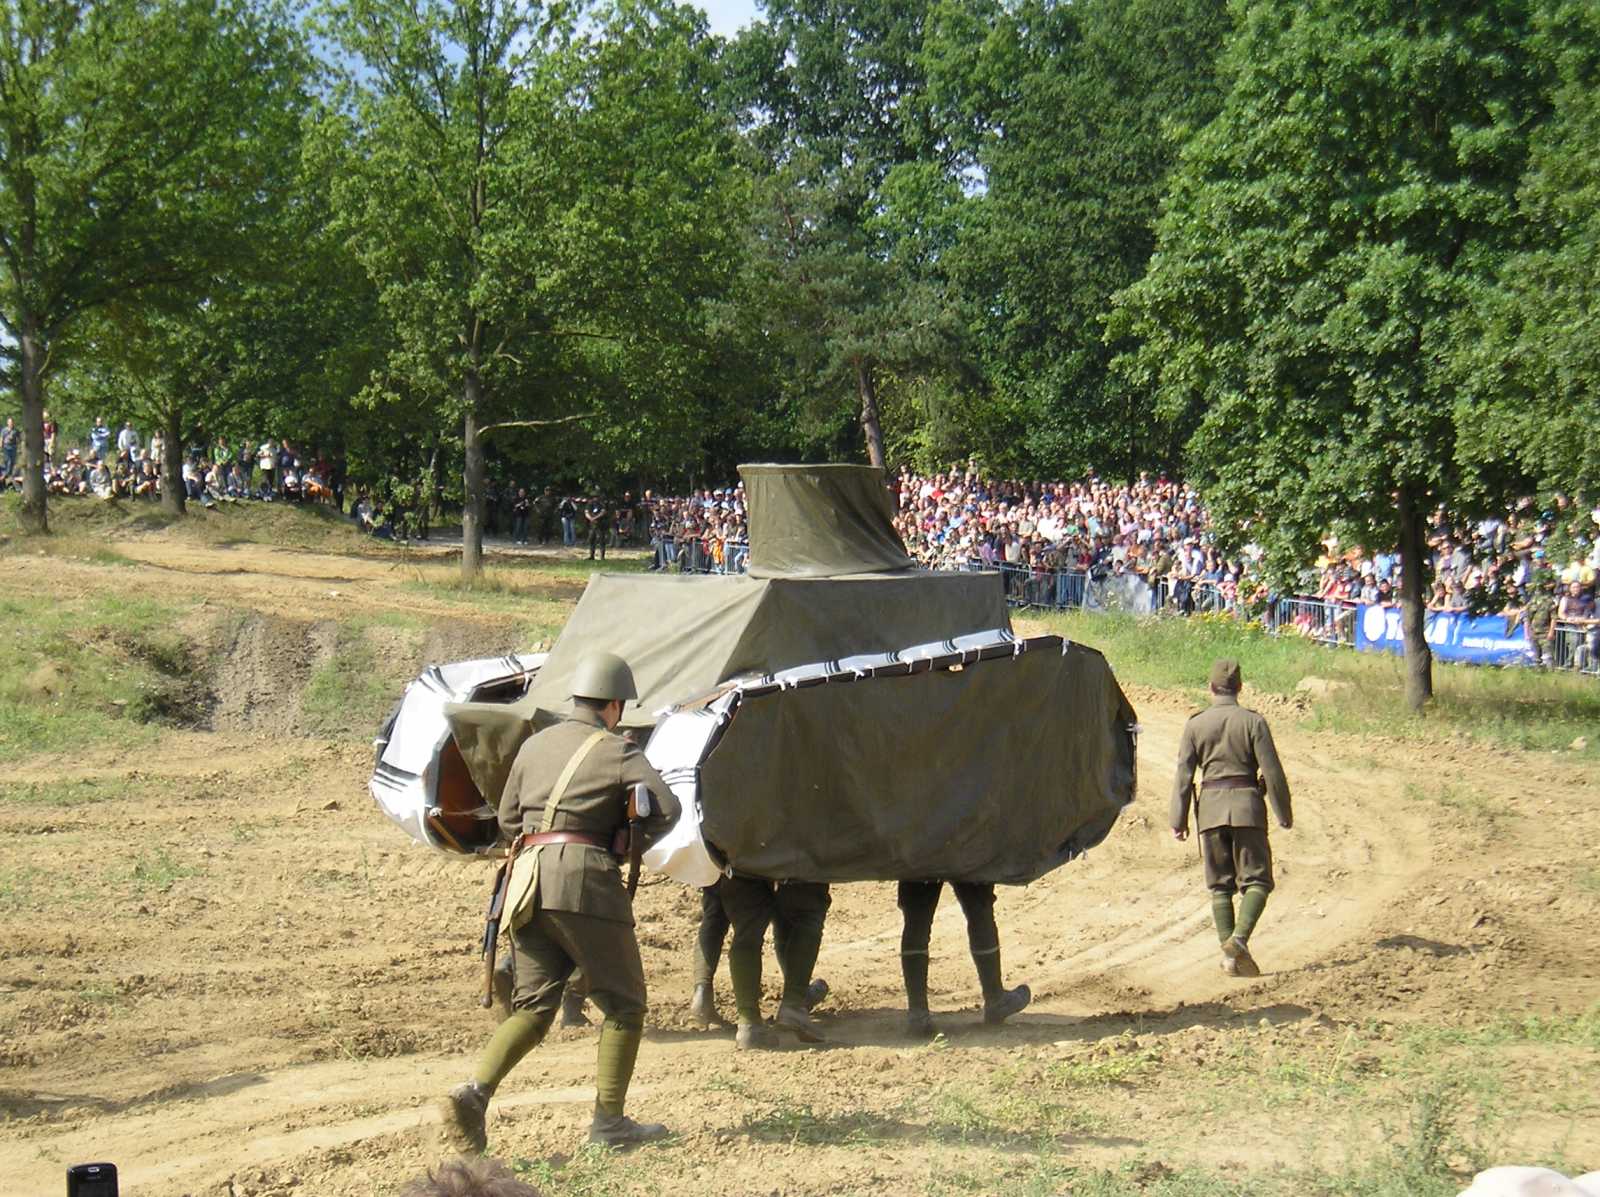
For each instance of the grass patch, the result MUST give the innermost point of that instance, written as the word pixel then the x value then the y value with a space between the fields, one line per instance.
pixel 591 1171
pixel 160 871
pixel 1523 708
pixel 1114 1062
pixel 55 794
pixel 798 1124
pixel 80 672
pixel 347 690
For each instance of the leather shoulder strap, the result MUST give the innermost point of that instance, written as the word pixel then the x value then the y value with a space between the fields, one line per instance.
pixel 560 792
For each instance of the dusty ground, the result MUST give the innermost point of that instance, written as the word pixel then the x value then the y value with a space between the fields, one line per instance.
pixel 223 970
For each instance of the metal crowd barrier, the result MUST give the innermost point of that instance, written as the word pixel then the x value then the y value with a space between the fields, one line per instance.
pixel 1332 623
pixel 693 556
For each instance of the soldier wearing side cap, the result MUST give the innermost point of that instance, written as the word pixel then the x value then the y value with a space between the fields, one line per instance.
pixel 1240 775
pixel 566 904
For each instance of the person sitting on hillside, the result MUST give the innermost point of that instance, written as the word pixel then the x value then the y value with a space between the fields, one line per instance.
pixel 99 479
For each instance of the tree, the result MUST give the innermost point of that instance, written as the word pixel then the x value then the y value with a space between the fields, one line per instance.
pixel 831 92
pixel 129 155
pixel 1531 393
pixel 536 206
pixel 1074 115
pixel 1318 242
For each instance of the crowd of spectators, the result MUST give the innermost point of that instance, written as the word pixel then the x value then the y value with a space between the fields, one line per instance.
pixel 126 465
pixel 1056 543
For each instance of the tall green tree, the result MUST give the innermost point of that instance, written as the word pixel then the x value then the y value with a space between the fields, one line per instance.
pixel 130 162
pixel 834 94
pixel 1531 396
pixel 1319 240
pixel 538 194
pixel 1074 115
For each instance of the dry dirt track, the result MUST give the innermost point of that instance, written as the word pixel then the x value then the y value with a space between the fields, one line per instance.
pixel 276 1020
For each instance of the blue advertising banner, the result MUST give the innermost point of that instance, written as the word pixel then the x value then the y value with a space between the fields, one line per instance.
pixel 1452 635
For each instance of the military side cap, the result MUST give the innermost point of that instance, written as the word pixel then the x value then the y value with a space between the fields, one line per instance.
pixel 1225 675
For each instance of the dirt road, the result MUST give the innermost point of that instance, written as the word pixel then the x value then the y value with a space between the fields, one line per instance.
pixel 223 970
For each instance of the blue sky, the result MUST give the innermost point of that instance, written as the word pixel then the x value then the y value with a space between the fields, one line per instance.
pixel 728 16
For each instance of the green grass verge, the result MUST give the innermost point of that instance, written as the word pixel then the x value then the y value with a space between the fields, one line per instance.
pixel 347 690
pixel 1518 707
pixel 76 674
pixel 55 795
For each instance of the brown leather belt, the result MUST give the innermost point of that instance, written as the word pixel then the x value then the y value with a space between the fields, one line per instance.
pixel 535 838
pixel 1229 783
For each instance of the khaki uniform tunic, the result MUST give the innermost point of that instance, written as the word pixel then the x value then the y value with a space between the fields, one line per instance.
pixel 575 877
pixel 1228 740
pixel 567 905
pixel 1231 743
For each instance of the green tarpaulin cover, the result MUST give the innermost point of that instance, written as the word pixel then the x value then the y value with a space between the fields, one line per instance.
pixel 685 635
pixel 823 521
pixel 998 772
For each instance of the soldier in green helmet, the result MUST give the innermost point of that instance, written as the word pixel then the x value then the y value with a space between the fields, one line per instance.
pixel 1232 747
pixel 566 904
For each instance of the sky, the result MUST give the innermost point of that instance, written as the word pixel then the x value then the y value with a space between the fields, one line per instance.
pixel 729 16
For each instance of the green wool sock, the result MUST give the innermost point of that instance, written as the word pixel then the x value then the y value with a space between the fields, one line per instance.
pixel 1222 915
pixel 619 1048
pixel 744 972
pixel 1250 908
pixel 518 1035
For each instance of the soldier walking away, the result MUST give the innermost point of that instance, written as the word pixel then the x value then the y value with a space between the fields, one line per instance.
pixel 796 911
pixel 1232 747
pixel 918 900
pixel 566 904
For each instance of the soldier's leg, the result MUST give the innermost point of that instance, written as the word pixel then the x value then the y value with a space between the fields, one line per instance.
pixel 1253 861
pixel 608 954
pixel 983 939
pixel 1216 854
pixel 540 967
pixel 802 908
pixel 749 905
pixel 708 952
pixel 918 900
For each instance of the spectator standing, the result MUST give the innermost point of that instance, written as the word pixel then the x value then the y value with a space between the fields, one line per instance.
pixel 128 439
pixel 9 439
pixel 520 508
pixel 267 463
pixel 50 433
pixel 99 438
pixel 568 511
pixel 597 512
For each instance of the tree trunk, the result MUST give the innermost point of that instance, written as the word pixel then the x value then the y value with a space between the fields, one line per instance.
pixel 472 497
pixel 32 355
pixel 1413 602
pixel 869 414
pixel 173 496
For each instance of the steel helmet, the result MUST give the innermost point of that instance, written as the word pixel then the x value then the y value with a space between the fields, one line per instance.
pixel 603 677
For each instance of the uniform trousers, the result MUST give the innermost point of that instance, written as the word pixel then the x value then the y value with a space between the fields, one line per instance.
pixel 919 900
pixel 549 946
pixel 1236 858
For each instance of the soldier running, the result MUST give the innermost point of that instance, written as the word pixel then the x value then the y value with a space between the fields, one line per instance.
pixel 566 903
pixel 1232 747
